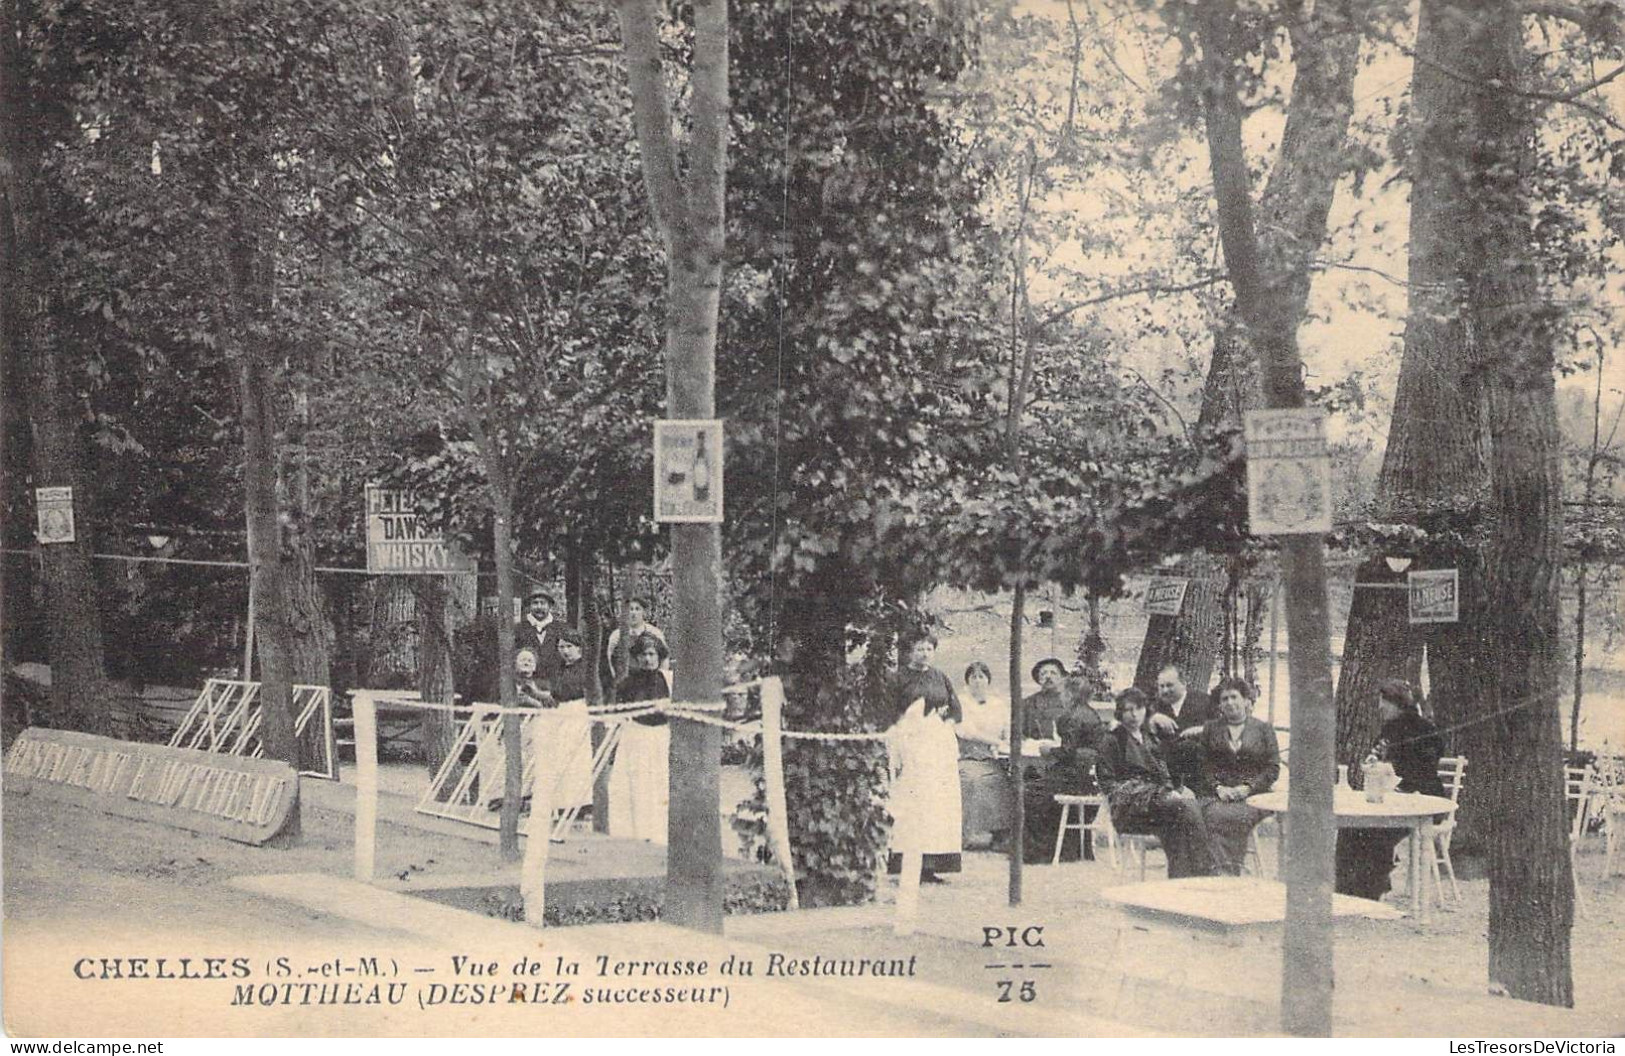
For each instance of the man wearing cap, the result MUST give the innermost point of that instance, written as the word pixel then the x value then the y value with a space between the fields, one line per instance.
pixel 539 631
pixel 1060 718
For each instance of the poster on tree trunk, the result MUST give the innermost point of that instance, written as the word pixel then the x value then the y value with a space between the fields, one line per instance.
pixel 1289 473
pixel 1434 596
pixel 54 508
pixel 688 471
pixel 398 543
pixel 1165 595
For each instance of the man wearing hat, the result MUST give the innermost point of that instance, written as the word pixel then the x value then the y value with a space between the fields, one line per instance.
pixel 1059 714
pixel 539 631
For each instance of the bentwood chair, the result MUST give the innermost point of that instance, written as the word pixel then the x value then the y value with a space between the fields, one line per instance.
pixel 1452 770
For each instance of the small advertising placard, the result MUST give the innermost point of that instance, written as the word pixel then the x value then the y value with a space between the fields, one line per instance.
pixel 1435 596
pixel 688 471
pixel 1165 595
pixel 1289 473
pixel 399 544
pixel 54 510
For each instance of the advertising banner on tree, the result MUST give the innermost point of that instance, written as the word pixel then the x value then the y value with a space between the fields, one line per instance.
pixel 1165 595
pixel 54 508
pixel 1435 596
pixel 1289 474
pixel 688 471
pixel 399 544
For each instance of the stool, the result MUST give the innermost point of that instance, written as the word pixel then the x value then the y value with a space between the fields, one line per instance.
pixel 1101 822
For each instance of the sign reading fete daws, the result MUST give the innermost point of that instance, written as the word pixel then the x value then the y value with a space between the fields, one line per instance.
pixel 688 471
pixel 1435 595
pixel 54 509
pixel 398 542
pixel 1165 595
pixel 1289 474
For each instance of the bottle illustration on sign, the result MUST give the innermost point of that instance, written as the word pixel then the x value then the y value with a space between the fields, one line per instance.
pixel 702 470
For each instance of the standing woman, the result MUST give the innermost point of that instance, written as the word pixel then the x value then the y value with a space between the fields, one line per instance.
pixel 1412 746
pixel 925 802
pixel 984 781
pixel 638 785
pixel 1142 797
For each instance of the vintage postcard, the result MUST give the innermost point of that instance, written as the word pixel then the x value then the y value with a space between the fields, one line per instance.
pixel 1167 583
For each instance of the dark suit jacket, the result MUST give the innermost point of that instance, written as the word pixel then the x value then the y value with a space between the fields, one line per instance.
pixel 1184 757
pixel 545 645
pixel 1257 763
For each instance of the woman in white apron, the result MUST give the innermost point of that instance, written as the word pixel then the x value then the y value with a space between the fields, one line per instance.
pixel 925 798
pixel 639 782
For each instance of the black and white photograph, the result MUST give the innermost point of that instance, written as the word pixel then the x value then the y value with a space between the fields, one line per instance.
pixel 753 519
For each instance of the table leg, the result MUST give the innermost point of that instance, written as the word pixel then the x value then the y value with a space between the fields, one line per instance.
pixel 1419 907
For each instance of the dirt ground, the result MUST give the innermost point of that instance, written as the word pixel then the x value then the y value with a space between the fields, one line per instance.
pixel 82 884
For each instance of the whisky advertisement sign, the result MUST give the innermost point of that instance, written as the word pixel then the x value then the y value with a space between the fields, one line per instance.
pixel 398 542
pixel 688 471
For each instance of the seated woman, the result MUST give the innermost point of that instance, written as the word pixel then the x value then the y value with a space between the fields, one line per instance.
pixel 1239 757
pixel 1142 797
pixel 984 780
pixel 1412 746
pixel 638 792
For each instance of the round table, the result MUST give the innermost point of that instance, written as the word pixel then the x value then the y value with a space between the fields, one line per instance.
pixel 1398 810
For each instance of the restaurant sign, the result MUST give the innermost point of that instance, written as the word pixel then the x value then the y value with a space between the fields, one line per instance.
pixel 1435 596
pixel 247 800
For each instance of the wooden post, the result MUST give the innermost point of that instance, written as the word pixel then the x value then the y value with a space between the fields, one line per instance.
pixel 366 784
pixel 546 727
pixel 908 892
pixel 778 818
pixel 1275 620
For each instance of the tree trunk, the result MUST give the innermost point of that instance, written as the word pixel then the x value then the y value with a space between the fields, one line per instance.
pixel 1435 472
pixel 28 299
pixel 1191 640
pixel 1266 300
pixel 435 605
pixel 1531 882
pixel 245 318
pixel 690 212
pixel 1294 210
pixel 310 634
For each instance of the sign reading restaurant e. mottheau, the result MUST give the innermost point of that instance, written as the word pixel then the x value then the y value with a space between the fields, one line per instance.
pixel 1289 473
pixel 1165 595
pixel 399 544
pixel 247 800
pixel 1435 595
pixel 688 471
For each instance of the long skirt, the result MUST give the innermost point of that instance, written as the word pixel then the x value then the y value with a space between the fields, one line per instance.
pixel 1365 859
pixel 925 803
pixel 1140 807
pixel 566 754
pixel 639 783
pixel 989 806
pixel 1228 826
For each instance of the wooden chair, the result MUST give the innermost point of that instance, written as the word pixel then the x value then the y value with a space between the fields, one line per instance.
pixel 1577 793
pixel 1081 822
pixel 1452 770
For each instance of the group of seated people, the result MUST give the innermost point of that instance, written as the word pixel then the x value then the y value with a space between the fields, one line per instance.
pixel 1180 767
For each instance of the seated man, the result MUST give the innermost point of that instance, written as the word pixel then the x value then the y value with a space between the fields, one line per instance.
pixel 1239 758
pixel 1059 712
